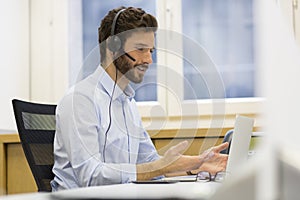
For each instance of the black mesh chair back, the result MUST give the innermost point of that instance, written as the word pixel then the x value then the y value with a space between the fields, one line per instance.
pixel 36 127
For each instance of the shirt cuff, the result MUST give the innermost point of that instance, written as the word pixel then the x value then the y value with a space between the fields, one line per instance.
pixel 128 173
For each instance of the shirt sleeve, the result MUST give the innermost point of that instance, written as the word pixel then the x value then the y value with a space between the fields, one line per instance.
pixel 78 139
pixel 147 151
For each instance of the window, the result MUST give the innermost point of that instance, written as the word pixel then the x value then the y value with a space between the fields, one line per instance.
pixel 225 29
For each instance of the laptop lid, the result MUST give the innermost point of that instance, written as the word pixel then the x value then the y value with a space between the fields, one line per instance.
pixel 240 142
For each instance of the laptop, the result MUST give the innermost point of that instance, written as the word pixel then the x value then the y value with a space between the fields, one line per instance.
pixel 241 137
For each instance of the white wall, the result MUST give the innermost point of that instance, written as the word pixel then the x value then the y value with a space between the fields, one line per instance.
pixel 49 50
pixel 34 53
pixel 14 54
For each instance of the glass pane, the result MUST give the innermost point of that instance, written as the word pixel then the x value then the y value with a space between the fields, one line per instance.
pixel 224 28
pixel 92 13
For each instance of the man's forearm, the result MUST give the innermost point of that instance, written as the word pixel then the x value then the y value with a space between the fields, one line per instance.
pixel 149 170
pixel 165 167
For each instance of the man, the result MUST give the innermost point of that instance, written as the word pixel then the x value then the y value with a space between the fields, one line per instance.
pixel 99 135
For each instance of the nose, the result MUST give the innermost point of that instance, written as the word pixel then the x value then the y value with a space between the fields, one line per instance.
pixel 148 57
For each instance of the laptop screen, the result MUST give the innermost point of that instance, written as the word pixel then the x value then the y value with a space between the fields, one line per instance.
pixel 240 142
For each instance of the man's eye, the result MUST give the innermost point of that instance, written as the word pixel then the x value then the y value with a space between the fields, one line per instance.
pixel 141 49
pixel 145 50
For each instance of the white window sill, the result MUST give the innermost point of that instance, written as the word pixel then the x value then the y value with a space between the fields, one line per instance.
pixel 201 114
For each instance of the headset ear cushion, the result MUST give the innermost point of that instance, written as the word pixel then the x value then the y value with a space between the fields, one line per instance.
pixel 114 43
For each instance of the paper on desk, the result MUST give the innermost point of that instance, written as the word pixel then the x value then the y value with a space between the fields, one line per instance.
pixel 189 178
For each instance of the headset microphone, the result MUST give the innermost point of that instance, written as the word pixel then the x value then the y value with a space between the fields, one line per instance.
pixel 130 57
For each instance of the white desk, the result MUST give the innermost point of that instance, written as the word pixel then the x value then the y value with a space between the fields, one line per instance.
pixel 182 190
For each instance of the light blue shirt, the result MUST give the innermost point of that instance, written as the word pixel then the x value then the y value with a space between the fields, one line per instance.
pixel 82 118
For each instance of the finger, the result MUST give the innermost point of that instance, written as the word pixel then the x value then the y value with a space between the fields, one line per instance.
pixel 221 147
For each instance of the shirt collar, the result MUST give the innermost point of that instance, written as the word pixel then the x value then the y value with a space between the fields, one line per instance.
pixel 103 79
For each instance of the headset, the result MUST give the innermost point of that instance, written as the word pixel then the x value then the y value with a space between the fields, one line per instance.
pixel 114 43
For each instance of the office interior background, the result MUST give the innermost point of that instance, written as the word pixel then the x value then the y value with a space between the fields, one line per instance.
pixel 50 45
pixel 47 46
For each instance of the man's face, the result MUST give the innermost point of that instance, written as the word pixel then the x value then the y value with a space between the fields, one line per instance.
pixel 139 46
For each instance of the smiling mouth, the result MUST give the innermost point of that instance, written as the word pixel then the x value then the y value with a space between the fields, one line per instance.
pixel 142 68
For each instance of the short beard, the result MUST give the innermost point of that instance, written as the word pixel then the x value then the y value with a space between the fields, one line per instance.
pixel 127 69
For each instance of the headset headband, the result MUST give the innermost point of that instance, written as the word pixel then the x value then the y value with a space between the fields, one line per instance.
pixel 115 22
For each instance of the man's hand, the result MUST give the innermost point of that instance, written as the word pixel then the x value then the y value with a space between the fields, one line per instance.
pixel 175 152
pixel 212 160
pixel 216 161
pixel 173 162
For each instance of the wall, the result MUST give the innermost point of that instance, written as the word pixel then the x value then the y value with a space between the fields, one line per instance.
pixel 14 54
pixel 49 50
pixel 34 53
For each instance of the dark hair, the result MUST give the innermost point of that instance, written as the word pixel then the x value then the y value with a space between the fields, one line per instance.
pixel 130 18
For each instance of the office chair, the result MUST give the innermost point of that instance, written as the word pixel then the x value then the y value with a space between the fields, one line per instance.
pixel 36 127
pixel 227 138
